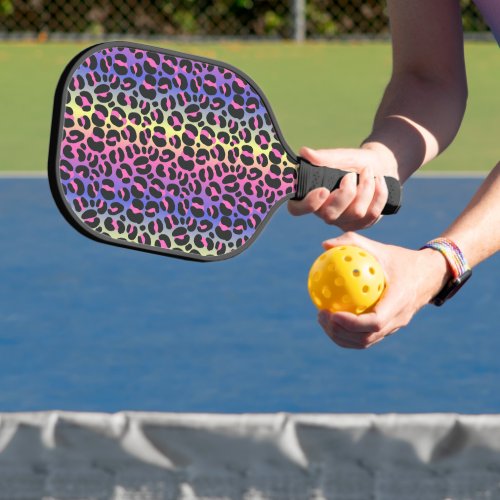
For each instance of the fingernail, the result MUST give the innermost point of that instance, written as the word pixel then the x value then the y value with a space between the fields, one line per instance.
pixel 324 194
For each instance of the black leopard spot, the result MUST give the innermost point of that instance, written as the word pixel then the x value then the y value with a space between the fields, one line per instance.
pixel 115 208
pixel 155 227
pixel 252 104
pixel 240 226
pixel 120 65
pixel 148 87
pixel 193 113
pixel 273 182
pixel 236 107
pixel 94 145
pixel 135 211
pixel 83 171
pixel 107 189
pixel 84 100
pixel 152 62
pixel 103 93
pixel 202 156
pixel 139 187
pixel 90 218
pixel 112 138
pixel 210 85
pixel 158 137
pixel 75 136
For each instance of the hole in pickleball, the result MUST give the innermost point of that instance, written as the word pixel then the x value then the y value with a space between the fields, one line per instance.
pixel 356 273
pixel 359 310
pixel 362 254
pixel 379 288
pixel 366 289
pixel 346 299
pixel 347 258
pixel 316 276
pixel 372 270
pixel 339 281
pixel 327 293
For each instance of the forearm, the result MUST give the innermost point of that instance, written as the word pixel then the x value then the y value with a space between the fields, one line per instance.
pixel 416 120
pixel 424 103
pixel 477 230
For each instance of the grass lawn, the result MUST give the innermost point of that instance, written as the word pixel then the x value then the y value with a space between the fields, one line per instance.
pixel 323 94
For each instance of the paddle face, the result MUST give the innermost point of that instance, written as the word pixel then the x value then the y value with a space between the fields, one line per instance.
pixel 166 152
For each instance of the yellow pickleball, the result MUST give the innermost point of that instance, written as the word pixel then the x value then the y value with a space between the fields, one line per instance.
pixel 346 278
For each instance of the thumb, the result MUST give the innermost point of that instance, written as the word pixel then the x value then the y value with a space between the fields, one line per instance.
pixel 349 238
pixel 339 158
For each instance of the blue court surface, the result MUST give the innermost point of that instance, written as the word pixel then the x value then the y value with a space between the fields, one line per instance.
pixel 92 327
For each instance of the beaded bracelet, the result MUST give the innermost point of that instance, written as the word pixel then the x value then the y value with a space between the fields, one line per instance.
pixel 460 269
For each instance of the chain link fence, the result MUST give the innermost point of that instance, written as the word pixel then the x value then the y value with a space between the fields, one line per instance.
pixel 286 19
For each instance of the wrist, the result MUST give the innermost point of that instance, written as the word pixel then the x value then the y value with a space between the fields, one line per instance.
pixel 437 272
pixel 386 156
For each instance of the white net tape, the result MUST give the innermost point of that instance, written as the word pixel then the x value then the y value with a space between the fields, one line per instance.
pixel 160 456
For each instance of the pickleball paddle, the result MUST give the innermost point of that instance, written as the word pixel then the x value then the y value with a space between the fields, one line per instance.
pixel 172 153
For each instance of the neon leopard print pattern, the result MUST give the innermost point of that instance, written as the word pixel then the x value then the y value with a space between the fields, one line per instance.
pixel 168 152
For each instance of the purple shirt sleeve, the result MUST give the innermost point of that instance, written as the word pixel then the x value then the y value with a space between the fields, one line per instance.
pixel 490 9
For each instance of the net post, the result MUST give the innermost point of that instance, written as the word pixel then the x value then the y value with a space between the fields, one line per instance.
pixel 299 20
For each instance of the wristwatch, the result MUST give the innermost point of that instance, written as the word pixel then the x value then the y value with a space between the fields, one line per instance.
pixel 460 270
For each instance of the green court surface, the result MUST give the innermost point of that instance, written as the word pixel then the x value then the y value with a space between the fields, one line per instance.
pixel 323 94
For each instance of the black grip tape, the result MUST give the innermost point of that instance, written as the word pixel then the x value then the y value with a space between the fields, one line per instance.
pixel 311 177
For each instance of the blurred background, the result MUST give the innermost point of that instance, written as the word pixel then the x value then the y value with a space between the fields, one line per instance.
pixel 282 19
pixel 324 89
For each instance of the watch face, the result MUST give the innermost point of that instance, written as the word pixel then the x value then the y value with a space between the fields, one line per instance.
pixel 451 288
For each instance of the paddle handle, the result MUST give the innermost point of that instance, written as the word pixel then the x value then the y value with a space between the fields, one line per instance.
pixel 312 177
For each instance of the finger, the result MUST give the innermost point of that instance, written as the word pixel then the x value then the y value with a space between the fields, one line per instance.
pixel 311 203
pixel 360 214
pixel 365 191
pixel 362 340
pixel 344 344
pixel 384 318
pixel 353 341
pixel 341 339
pixel 362 324
pixel 347 338
pixel 339 200
pixel 380 196
pixel 342 336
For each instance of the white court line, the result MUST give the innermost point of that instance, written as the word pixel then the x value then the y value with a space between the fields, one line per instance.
pixel 23 175
pixel 455 174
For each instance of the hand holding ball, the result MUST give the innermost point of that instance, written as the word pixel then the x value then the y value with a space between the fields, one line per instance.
pixel 346 278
